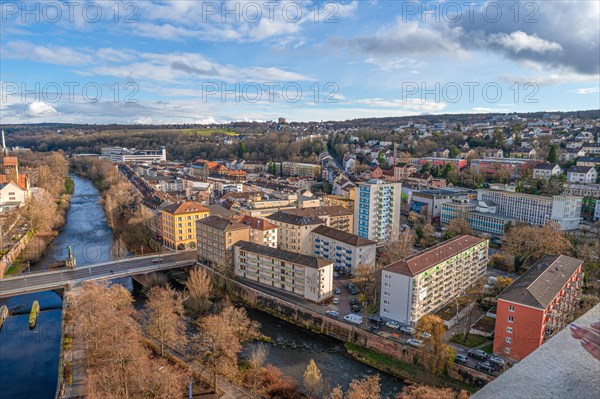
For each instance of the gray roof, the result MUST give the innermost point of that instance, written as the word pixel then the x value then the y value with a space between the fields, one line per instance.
pixel 220 223
pixel 545 166
pixel 305 260
pixel 580 169
pixel 339 235
pixel 285 217
pixel 539 285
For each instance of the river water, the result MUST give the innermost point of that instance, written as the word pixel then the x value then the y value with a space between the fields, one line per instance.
pixel 29 359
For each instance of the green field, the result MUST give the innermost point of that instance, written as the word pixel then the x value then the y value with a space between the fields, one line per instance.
pixel 472 341
pixel 209 132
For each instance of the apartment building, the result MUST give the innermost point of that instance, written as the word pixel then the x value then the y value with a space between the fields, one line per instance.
pixel 582 174
pixel 300 169
pixel 307 276
pixel 537 305
pixel 178 224
pixel 429 202
pixel 261 231
pixel 481 218
pixel 346 250
pixel 216 237
pixel 424 282
pixel 293 231
pixel 334 216
pixel 338 200
pixel 537 210
pixel 122 155
pixel 377 210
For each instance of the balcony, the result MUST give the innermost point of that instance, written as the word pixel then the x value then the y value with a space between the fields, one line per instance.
pixel 560 368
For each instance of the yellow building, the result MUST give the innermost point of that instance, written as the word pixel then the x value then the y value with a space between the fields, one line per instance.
pixel 178 224
pixel 338 200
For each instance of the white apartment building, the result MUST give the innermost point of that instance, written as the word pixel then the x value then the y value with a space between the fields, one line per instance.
pixel 121 154
pixel 293 231
pixel 377 210
pixel 535 209
pixel 12 197
pixel 261 231
pixel 307 276
pixel 424 282
pixel 582 174
pixel 346 250
pixel 546 170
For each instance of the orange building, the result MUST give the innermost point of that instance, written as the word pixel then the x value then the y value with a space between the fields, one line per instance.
pixel 537 305
pixel 178 224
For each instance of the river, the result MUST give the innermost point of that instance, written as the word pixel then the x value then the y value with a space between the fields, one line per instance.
pixel 29 358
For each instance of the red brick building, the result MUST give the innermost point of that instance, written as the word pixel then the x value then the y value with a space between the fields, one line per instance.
pixel 537 305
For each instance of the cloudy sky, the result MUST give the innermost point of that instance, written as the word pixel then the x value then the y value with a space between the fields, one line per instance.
pixel 219 61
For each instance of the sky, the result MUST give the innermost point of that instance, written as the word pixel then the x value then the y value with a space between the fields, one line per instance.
pixel 183 61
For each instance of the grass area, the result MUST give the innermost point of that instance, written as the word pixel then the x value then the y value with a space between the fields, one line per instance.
pixel 16 268
pixel 209 132
pixel 488 348
pixel 471 341
pixel 409 372
pixel 69 185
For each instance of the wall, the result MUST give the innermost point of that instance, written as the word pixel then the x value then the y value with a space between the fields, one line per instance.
pixel 11 255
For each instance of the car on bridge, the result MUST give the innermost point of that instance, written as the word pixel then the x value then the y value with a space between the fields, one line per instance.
pixel 157 260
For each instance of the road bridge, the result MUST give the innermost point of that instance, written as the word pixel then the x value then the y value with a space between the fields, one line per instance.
pixel 57 279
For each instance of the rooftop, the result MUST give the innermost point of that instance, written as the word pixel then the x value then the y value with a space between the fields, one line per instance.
pixel 342 236
pixel 257 223
pixel 305 260
pixel 222 223
pixel 284 217
pixel 539 285
pixel 181 208
pixel 421 261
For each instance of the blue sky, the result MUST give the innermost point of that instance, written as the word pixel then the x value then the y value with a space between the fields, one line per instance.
pixel 219 61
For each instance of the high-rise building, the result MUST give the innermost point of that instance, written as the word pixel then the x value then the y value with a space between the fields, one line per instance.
pixel 424 282
pixel 537 305
pixel 377 210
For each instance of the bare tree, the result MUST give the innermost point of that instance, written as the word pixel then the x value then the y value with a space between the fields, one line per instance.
pixel 459 227
pixel 313 379
pixel 436 354
pixel 399 249
pixel 428 392
pixel 199 288
pixel 257 358
pixel 529 243
pixel 367 388
pixel 165 316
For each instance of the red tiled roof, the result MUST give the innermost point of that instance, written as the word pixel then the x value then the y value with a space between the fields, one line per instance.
pixel 185 207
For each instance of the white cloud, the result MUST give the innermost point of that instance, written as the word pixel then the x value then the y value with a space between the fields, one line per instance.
pixel 413 104
pixel 586 90
pixel 520 41
pixel 48 54
pixel 40 109
pixel 392 63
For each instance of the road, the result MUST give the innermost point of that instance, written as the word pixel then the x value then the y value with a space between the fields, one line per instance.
pixel 49 280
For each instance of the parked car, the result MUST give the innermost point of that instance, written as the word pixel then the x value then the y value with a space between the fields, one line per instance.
pixel 485 367
pixel 496 360
pixel 414 342
pixel 156 260
pixel 353 292
pixel 353 302
pixel 376 320
pixel 461 359
pixel 350 286
pixel 355 308
pixel 392 324
pixel 478 354
pixel 336 274
pixel 336 301
pixel 353 318
pixel 373 328
pixel 337 291
pixel 425 335
pixel 332 313
pixel 408 330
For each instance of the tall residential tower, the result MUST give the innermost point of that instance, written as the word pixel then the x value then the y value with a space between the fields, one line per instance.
pixel 377 210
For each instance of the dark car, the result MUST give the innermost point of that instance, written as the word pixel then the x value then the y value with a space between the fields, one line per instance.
pixel 350 286
pixel 353 292
pixel 373 328
pixel 376 320
pixel 353 301
pixel 485 367
pixel 355 308
pixel 478 354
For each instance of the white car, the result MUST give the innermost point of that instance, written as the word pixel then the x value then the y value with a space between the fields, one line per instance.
pixel 408 330
pixel 336 301
pixel 425 335
pixel 156 260
pixel 392 324
pixel 497 360
pixel 414 342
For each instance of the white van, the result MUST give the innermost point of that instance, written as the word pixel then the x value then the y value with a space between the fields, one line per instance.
pixel 353 318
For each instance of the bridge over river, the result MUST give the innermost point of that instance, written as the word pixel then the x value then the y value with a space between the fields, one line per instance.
pixel 55 279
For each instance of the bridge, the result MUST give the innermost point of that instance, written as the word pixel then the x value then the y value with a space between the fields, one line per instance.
pixel 57 279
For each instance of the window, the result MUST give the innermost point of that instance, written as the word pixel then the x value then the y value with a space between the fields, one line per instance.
pixel 508 340
pixel 509 330
pixel 510 319
pixel 511 308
